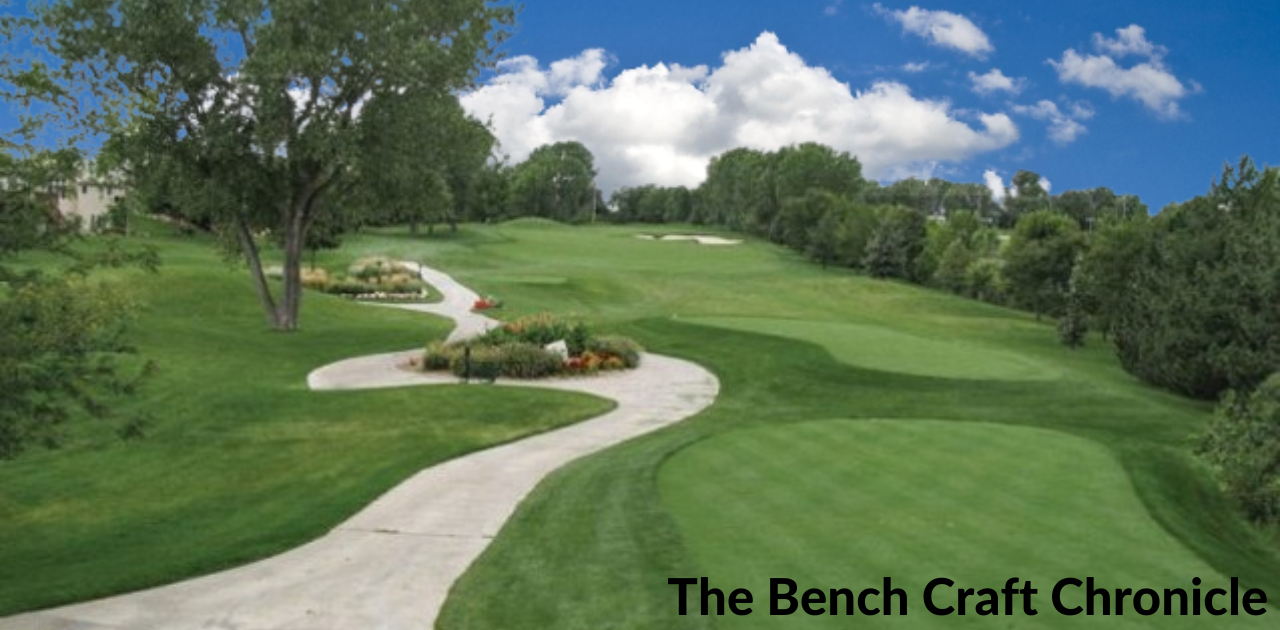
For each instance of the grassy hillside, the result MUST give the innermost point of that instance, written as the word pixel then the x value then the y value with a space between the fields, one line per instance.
pixel 240 460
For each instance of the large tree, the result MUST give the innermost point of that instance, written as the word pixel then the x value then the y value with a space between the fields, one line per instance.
pixel 254 106
pixel 1200 311
pixel 420 154
pixel 1104 277
pixel 1039 259
pixel 557 182
pixel 739 192
pixel 896 244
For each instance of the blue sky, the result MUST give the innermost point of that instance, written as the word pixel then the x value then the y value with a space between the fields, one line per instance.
pixel 1225 56
pixel 655 88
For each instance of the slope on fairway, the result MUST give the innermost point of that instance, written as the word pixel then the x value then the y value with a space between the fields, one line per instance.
pixel 843 503
pixel 880 348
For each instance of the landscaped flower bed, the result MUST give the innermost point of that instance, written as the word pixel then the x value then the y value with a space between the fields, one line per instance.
pixel 486 303
pixel 374 279
pixel 540 346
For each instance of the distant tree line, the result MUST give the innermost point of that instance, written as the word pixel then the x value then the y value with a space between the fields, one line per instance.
pixel 1020 251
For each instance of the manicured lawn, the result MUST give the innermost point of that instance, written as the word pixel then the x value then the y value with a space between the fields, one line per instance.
pixel 842 504
pixel 240 460
pixel 1026 441
pixel 881 348
pixel 793 344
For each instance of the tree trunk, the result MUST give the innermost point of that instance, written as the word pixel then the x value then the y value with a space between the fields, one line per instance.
pixel 287 314
pixel 250 250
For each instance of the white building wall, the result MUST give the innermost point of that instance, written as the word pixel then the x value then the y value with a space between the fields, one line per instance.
pixel 89 203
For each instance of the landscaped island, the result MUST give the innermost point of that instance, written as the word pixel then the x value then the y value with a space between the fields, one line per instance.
pixel 539 346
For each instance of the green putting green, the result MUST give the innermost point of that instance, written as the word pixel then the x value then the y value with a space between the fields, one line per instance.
pixel 844 503
pixel 881 348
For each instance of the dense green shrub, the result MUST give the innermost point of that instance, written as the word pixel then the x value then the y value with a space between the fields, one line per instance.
pixel 347 286
pixel 483 363
pixel 526 360
pixel 621 347
pixel 510 360
pixel 1243 444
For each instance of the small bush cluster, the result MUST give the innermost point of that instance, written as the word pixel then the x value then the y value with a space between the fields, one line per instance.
pixel 519 350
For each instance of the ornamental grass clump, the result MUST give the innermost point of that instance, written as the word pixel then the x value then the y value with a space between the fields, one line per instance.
pixel 439 356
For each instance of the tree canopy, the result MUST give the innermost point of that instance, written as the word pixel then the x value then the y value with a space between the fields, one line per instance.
pixel 556 182
pixel 252 111
pixel 1200 314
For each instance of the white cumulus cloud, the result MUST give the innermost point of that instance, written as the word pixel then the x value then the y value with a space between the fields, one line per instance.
pixel 1130 40
pixel 995 184
pixel 941 28
pixel 1149 82
pixel 995 81
pixel 662 124
pixel 1064 126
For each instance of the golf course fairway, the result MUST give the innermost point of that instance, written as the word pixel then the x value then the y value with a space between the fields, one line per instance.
pixel 844 503
pixel 880 348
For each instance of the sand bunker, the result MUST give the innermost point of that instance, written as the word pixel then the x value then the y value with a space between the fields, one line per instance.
pixel 700 239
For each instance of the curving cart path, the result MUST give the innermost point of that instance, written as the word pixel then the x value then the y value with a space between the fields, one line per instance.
pixel 391 565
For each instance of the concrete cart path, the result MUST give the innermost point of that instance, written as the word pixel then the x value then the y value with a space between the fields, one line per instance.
pixel 391 565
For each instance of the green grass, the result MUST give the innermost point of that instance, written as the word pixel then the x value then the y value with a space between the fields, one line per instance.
pixel 881 348
pixel 1097 454
pixel 792 344
pixel 241 460
pixel 842 504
